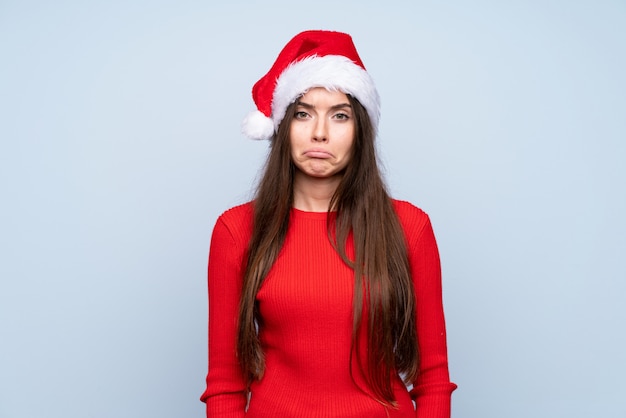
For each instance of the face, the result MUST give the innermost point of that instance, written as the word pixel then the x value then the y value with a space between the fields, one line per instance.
pixel 322 133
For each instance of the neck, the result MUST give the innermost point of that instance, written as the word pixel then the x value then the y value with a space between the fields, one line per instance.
pixel 313 194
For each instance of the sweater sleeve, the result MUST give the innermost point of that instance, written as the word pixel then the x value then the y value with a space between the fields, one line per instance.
pixel 225 392
pixel 432 390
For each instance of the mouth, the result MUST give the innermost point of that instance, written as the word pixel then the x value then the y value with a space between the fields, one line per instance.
pixel 317 153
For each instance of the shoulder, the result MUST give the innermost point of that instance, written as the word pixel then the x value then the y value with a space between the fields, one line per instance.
pixel 238 221
pixel 238 213
pixel 409 213
pixel 414 221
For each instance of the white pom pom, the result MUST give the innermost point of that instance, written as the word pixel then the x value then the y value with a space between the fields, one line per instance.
pixel 257 126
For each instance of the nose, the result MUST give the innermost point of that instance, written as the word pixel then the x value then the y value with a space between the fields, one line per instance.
pixel 320 130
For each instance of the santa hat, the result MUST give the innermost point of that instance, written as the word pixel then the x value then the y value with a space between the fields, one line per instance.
pixel 311 59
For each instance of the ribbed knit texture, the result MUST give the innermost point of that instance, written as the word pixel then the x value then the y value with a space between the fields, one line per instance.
pixel 306 306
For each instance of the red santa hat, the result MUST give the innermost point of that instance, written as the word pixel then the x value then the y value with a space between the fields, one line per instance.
pixel 311 59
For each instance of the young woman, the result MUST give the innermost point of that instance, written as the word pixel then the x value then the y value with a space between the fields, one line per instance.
pixel 324 293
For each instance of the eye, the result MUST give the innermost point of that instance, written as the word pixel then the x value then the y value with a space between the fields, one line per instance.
pixel 341 116
pixel 301 115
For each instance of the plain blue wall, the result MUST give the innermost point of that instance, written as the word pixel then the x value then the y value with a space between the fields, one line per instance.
pixel 120 145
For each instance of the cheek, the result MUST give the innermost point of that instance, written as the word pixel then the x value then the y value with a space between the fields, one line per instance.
pixel 348 141
pixel 295 135
pixel 293 146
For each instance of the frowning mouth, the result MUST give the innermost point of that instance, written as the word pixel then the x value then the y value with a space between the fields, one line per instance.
pixel 317 153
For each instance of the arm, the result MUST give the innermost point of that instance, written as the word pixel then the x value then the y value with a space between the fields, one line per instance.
pixel 225 392
pixel 432 389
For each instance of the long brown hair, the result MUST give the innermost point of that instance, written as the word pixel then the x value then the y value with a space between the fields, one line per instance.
pixel 383 286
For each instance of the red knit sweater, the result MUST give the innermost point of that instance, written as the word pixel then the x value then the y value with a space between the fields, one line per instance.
pixel 306 306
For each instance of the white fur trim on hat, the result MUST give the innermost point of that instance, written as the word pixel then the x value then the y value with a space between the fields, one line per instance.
pixel 333 72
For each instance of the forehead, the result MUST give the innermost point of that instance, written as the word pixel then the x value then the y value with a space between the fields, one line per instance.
pixel 323 95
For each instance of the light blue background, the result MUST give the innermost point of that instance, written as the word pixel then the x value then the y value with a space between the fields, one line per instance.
pixel 120 146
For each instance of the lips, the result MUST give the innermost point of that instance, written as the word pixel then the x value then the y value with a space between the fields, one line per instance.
pixel 317 153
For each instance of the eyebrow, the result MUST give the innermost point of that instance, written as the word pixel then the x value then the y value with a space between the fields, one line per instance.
pixel 334 107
